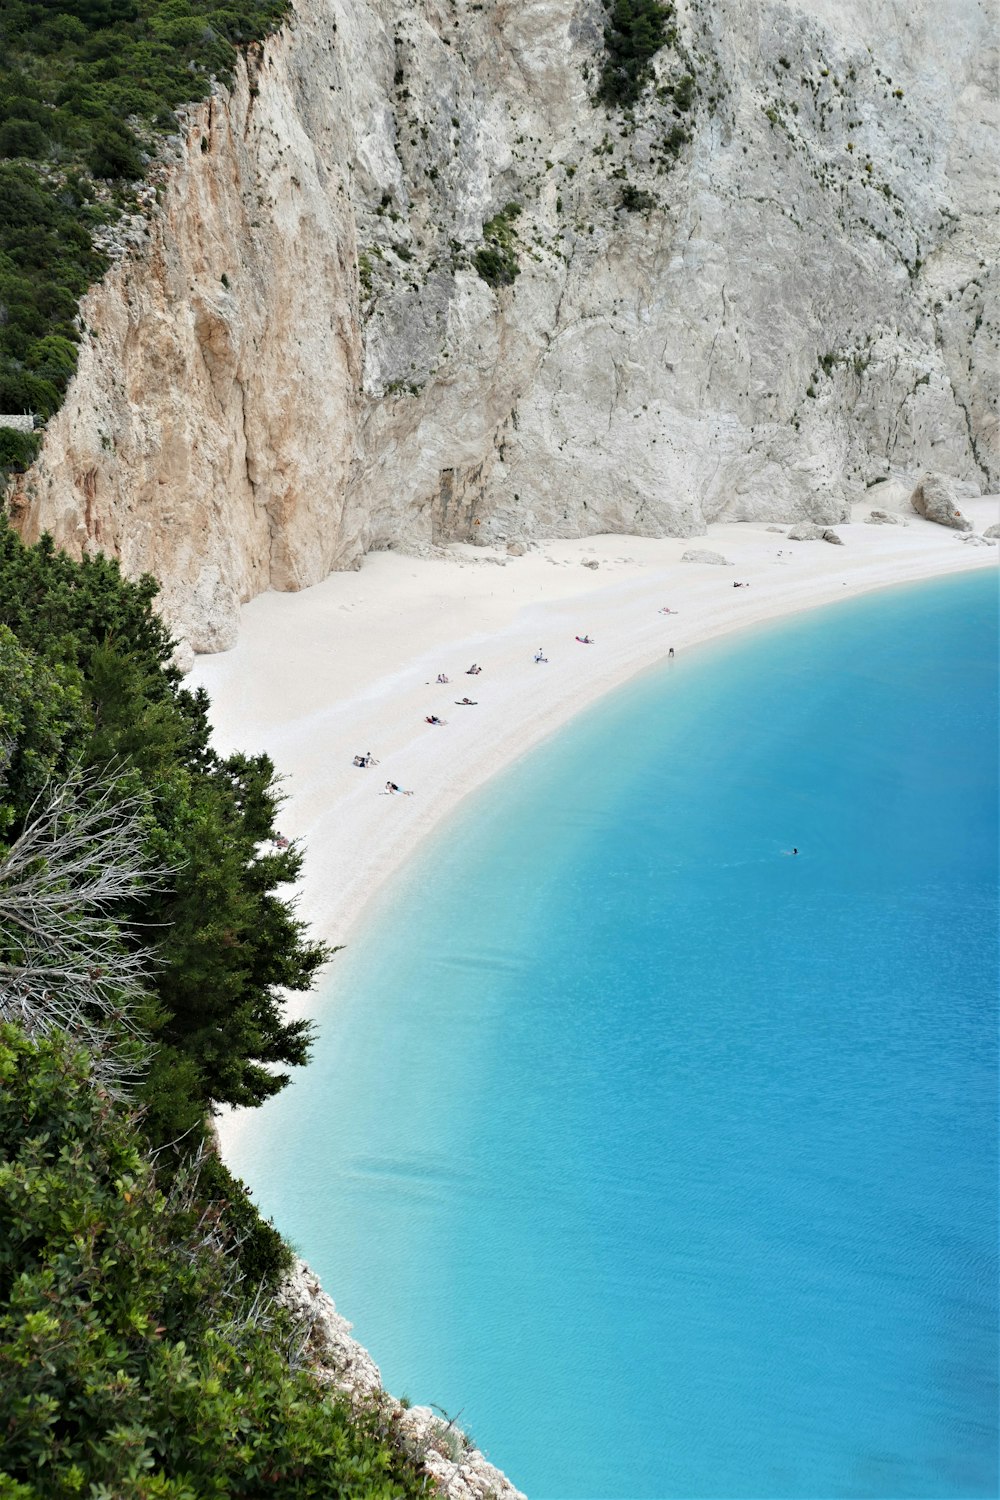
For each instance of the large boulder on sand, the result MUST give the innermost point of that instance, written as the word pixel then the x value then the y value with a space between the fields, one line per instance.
pixel 992 531
pixel 703 555
pixel 934 499
pixel 808 531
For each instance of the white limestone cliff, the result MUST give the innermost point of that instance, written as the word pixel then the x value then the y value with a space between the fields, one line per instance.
pixel 294 360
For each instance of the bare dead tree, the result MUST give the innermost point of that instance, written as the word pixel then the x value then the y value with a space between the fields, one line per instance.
pixel 63 962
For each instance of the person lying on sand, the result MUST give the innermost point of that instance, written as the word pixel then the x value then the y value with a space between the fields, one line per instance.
pixel 473 671
pixel 741 585
pixel 391 790
pixel 432 719
pixel 585 640
pixel 367 759
pixel 466 702
pixel 666 610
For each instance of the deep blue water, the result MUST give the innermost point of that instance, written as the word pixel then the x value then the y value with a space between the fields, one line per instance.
pixel 667 1157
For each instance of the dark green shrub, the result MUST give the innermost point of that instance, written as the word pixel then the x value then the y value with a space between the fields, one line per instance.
pixel 115 153
pixel 635 32
pixel 22 138
pixel 496 259
pixel 684 92
pixel 131 1363
pixel 636 200
pixel 17 450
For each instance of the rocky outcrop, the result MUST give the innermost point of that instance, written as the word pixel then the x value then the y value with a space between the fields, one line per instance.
pixel 807 532
pixel 460 1471
pixel 748 298
pixel 934 498
pixel 882 518
pixel 992 532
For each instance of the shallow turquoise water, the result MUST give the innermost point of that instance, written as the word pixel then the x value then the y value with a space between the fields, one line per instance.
pixel 668 1158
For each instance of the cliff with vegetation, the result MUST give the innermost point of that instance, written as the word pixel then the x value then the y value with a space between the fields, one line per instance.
pixel 156 1341
pixel 455 270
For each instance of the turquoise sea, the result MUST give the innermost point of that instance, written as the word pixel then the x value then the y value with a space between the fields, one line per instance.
pixel 666 1157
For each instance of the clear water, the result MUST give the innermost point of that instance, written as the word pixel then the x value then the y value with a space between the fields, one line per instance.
pixel 668 1158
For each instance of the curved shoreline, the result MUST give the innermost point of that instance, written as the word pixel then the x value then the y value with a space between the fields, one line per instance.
pixel 350 666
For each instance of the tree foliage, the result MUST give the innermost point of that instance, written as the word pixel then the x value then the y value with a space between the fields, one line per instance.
pixel 635 32
pixel 131 1362
pixel 85 88
pixel 86 662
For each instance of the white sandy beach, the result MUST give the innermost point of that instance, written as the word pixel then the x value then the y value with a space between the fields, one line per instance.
pixel 350 666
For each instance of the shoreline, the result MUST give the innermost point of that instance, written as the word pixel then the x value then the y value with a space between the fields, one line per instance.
pixel 350 666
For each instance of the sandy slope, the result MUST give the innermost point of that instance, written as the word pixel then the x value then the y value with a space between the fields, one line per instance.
pixel 350 666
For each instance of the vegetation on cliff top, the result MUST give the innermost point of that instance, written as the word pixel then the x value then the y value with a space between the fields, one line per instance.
pixel 85 681
pixel 133 1360
pixel 85 87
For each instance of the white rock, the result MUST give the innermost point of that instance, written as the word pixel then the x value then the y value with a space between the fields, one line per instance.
pixel 704 555
pixel 934 498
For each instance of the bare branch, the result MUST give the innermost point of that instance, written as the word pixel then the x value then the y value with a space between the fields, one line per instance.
pixel 63 961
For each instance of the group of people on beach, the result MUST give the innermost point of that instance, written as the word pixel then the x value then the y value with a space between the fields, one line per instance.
pixel 443 680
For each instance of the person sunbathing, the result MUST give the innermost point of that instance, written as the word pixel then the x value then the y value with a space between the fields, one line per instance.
pixel 466 702
pixel 585 640
pixel 391 789
pixel 432 719
pixel 473 671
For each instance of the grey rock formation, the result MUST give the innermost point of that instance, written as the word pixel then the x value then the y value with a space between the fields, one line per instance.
pixel 807 532
pixel 992 531
pixel 934 498
pixel 705 555
pixel 589 562
pixel 881 518
pixel 740 310
pixel 461 1472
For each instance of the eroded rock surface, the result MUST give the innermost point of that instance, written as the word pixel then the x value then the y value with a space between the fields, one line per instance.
pixel 460 1470
pixel 934 498
pixel 751 298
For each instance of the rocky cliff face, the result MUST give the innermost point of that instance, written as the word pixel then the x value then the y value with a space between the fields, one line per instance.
pixel 749 297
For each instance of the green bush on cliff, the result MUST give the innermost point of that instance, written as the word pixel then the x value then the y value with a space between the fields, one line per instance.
pixel 635 32
pixel 85 88
pixel 133 1362
pixel 85 679
pixel 496 258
